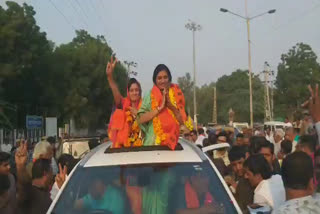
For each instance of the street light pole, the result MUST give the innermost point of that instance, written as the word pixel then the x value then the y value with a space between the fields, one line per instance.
pixel 194 27
pixel 249 64
pixel 195 81
pixel 248 19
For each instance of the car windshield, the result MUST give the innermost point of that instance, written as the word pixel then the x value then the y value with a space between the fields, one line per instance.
pixel 148 188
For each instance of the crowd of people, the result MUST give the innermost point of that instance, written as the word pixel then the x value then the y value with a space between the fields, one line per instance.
pixel 30 177
pixel 274 168
pixel 278 169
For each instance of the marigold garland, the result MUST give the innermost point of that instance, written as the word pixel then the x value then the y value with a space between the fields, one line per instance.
pixel 157 127
pixel 189 124
pixel 160 135
pixel 172 99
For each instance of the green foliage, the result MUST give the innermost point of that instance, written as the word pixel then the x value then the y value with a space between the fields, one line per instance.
pixel 186 85
pixel 67 81
pixel 233 92
pixel 298 68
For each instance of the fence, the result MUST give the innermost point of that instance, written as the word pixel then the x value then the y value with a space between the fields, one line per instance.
pixel 12 136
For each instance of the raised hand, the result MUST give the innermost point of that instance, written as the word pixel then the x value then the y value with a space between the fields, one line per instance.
pixel 111 65
pixel 61 176
pixel 164 98
pixel 314 103
pixel 21 155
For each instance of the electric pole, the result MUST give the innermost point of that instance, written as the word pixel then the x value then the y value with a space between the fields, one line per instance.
pixel 214 113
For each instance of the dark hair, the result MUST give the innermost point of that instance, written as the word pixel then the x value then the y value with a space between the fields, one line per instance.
pixel 309 141
pixel 194 132
pixel 68 161
pixel 257 164
pixel 255 142
pixel 158 69
pixel 134 81
pixel 266 144
pixel 240 135
pixel 51 140
pixel 4 184
pixel 200 131
pixel 40 168
pixel 297 170
pixel 205 142
pixel 212 138
pixel 286 146
pixel 4 157
pixel 236 153
pixel 93 143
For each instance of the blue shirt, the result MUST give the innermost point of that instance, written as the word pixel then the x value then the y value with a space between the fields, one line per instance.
pixel 112 201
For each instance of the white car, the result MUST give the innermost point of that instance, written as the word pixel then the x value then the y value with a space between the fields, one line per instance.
pixel 143 180
pixel 276 125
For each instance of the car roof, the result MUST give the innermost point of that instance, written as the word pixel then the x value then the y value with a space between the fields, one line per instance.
pixel 100 156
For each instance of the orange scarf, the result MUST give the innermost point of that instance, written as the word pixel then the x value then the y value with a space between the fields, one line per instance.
pixel 120 126
pixel 192 197
pixel 165 125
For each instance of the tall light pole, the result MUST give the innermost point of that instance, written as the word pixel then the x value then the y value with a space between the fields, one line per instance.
pixel 129 64
pixel 192 26
pixel 248 19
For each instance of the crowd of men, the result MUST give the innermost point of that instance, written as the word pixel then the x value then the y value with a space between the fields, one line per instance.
pixel 30 177
pixel 277 169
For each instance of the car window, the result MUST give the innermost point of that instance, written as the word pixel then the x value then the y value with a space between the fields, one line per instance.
pixel 156 188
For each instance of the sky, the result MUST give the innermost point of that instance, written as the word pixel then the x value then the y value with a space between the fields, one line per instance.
pixel 151 32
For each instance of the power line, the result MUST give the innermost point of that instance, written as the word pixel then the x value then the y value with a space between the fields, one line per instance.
pixel 297 17
pixel 80 15
pixel 99 17
pixel 65 18
pixel 81 8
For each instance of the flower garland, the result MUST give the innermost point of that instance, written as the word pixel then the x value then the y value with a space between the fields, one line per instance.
pixel 160 135
pixel 134 138
pixel 174 103
pixel 189 124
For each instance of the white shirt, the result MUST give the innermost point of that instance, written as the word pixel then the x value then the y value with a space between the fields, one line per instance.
pixel 318 131
pixel 6 148
pixel 54 191
pixel 288 124
pixel 217 154
pixel 304 205
pixel 200 139
pixel 294 144
pixel 277 147
pixel 270 192
pixel 270 137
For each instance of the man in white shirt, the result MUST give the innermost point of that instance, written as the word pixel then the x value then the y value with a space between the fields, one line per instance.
pixel 201 137
pixel 297 176
pixel 269 189
pixel 278 138
pixel 292 134
pixel 269 135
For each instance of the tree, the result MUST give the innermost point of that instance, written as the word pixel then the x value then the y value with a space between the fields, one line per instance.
pixel 186 85
pixel 233 92
pixel 205 102
pixel 297 69
pixel 67 81
pixel 22 48
pixel 84 91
